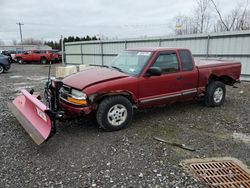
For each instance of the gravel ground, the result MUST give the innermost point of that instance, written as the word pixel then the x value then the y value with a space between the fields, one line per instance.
pixel 82 155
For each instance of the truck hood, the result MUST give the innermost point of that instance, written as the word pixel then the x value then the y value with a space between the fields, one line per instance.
pixel 91 76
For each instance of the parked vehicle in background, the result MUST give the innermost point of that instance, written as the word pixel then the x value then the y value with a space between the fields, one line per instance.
pixel 137 78
pixel 5 63
pixel 13 54
pixel 57 55
pixel 42 56
pixel 7 53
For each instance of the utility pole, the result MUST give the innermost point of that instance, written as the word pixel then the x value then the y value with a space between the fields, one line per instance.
pixel 21 35
pixel 62 48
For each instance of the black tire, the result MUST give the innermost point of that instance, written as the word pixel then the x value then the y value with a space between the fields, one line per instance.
pixel 43 60
pixel 19 60
pixel 105 109
pixel 1 69
pixel 211 100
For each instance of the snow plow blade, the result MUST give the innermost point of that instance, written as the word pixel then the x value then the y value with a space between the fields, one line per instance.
pixel 32 115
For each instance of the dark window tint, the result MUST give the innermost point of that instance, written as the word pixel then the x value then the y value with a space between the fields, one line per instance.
pixel 167 62
pixel 36 52
pixel 186 60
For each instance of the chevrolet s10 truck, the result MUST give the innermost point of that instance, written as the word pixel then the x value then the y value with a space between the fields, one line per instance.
pixel 137 78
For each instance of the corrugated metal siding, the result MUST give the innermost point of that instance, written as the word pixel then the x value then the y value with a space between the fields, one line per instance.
pixel 230 45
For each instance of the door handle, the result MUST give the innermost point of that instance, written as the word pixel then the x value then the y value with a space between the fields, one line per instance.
pixel 179 78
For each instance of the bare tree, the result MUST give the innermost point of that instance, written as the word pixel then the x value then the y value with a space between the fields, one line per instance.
pixel 202 21
pixel 197 23
pixel 202 15
pixel 184 25
pixel 31 41
pixel 237 19
pixel 219 14
pixel 14 41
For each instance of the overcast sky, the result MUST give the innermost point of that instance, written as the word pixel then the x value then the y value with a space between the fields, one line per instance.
pixel 48 19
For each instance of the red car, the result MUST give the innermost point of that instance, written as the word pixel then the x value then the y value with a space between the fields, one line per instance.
pixel 42 56
pixel 137 78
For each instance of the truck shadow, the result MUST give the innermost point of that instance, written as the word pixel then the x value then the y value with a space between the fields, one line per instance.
pixel 146 115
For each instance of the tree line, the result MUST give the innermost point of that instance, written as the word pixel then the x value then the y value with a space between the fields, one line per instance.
pixel 57 44
pixel 207 16
pixel 54 44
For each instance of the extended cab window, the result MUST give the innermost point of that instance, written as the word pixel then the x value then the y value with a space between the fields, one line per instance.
pixel 167 62
pixel 36 52
pixel 186 60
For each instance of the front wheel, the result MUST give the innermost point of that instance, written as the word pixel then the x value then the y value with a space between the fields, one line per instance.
pixel 114 113
pixel 43 61
pixel 215 94
pixel 19 60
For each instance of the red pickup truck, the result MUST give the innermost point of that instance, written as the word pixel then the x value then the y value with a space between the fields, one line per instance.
pixel 42 56
pixel 137 78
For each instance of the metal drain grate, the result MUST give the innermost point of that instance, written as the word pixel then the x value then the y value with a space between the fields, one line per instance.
pixel 221 174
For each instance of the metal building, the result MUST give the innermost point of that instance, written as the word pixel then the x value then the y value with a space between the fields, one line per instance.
pixel 229 45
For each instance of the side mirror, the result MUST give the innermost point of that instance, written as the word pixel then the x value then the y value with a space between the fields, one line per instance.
pixel 154 71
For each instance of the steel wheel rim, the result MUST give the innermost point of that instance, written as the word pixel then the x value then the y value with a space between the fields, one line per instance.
pixel 43 61
pixel 117 115
pixel 218 95
pixel 20 61
pixel 1 69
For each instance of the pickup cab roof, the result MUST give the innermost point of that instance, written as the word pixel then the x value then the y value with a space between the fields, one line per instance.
pixel 156 49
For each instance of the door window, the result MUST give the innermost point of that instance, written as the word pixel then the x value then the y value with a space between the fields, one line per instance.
pixel 36 52
pixel 167 62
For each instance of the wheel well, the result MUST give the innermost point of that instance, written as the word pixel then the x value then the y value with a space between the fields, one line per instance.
pixel 43 58
pixel 98 99
pixel 224 79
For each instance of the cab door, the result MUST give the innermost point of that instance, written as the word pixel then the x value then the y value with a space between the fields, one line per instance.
pixel 163 89
pixel 36 55
pixel 26 56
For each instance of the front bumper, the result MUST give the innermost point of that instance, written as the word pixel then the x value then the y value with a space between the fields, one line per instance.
pixel 72 111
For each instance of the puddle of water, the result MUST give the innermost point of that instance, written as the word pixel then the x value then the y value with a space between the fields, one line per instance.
pixel 16 76
pixel 37 78
pixel 242 137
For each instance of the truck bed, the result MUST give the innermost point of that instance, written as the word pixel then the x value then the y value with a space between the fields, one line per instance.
pixel 227 69
pixel 206 63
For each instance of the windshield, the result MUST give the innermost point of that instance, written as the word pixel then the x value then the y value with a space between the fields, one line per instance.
pixel 131 62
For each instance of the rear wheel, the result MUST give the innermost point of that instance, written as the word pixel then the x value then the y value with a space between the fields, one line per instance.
pixel 114 113
pixel 43 60
pixel 1 69
pixel 215 94
pixel 19 60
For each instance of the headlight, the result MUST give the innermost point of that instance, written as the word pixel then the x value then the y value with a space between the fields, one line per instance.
pixel 77 97
pixel 78 94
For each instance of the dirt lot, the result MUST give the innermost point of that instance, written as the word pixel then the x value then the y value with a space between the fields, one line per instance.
pixel 82 155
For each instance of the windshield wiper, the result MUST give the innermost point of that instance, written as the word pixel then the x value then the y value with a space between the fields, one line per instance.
pixel 99 65
pixel 117 68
